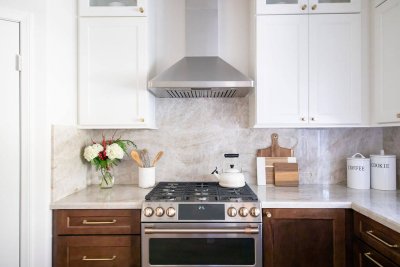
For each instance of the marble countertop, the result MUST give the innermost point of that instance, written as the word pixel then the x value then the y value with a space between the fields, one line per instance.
pixel 381 206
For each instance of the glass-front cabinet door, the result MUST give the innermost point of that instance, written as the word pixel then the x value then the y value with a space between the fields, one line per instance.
pixel 334 6
pixel 125 8
pixel 282 7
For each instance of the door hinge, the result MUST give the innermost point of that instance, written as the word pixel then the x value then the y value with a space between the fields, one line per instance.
pixel 18 63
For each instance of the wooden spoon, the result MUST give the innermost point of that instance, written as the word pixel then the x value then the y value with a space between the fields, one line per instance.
pixel 135 156
pixel 158 157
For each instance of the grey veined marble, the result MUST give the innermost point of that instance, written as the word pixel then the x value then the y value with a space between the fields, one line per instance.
pixel 195 133
pixel 391 144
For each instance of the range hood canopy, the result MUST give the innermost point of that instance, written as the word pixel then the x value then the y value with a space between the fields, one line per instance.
pixel 201 73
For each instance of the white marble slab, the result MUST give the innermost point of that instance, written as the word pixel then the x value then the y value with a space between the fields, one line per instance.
pixel 119 197
pixel 381 206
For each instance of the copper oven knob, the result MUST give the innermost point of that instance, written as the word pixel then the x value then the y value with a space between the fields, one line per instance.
pixel 170 212
pixel 255 212
pixel 159 212
pixel 232 212
pixel 148 212
pixel 243 212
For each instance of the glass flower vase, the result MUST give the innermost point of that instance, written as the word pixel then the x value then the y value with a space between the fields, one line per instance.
pixel 106 179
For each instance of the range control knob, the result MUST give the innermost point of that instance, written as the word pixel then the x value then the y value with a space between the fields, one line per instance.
pixel 243 212
pixel 159 212
pixel 148 212
pixel 171 212
pixel 232 212
pixel 255 212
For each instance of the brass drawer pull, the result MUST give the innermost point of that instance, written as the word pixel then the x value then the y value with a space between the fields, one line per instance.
pixel 97 223
pixel 303 7
pixel 398 115
pixel 371 233
pixel 368 256
pixel 85 258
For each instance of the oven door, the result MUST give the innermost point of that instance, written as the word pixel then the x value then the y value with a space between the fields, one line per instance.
pixel 201 244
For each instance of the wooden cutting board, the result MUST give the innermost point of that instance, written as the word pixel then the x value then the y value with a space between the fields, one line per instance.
pixel 275 150
pixel 286 174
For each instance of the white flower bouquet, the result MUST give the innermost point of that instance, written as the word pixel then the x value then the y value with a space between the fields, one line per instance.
pixel 106 155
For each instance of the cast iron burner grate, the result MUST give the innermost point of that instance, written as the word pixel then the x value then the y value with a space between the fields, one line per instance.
pixel 200 192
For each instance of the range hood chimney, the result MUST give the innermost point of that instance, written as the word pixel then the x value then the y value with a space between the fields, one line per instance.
pixel 201 73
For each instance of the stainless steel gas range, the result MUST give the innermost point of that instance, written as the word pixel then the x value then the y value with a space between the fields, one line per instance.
pixel 201 224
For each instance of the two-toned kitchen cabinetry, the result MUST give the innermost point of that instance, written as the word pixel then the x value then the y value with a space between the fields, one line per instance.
pixel 375 244
pixel 386 43
pixel 113 65
pixel 96 238
pixel 306 237
pixel 308 63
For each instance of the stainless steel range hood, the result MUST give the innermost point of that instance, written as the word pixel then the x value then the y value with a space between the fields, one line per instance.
pixel 201 73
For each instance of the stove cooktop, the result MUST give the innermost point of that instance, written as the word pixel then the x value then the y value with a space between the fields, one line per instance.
pixel 199 192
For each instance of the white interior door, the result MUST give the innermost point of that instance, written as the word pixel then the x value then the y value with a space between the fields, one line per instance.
pixel 10 144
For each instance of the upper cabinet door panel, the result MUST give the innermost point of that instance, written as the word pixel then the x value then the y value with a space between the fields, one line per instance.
pixel 334 6
pixel 282 7
pixel 282 69
pixel 335 69
pixel 125 8
pixel 112 70
pixel 387 61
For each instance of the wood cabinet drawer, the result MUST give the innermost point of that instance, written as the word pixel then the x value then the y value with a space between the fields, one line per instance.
pixel 379 237
pixel 104 251
pixel 96 222
pixel 365 256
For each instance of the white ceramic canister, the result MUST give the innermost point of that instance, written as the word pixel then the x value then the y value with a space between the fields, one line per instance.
pixel 383 171
pixel 147 177
pixel 358 172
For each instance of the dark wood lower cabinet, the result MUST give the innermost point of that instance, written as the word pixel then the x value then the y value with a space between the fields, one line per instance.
pixel 365 256
pixel 96 238
pixel 107 251
pixel 304 237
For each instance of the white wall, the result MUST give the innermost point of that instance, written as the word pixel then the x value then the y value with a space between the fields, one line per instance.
pixel 40 215
pixel 62 61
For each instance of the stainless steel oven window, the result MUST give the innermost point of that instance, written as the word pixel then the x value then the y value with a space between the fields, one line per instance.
pixel 201 244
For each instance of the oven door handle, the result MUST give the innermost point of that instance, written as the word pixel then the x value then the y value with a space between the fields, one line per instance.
pixel 248 230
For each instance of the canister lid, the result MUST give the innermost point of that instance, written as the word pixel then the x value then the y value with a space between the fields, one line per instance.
pixel 382 155
pixel 358 156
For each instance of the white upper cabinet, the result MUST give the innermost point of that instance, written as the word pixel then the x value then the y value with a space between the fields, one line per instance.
pixel 282 69
pixel 308 70
pixel 125 8
pixel 334 6
pixel 113 74
pixel 268 7
pixel 282 6
pixel 335 69
pixel 386 93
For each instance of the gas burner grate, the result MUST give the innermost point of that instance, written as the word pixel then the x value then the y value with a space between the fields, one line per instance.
pixel 200 192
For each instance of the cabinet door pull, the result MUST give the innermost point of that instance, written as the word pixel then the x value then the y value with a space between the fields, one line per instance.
pixel 303 7
pixel 314 7
pixel 97 223
pixel 141 9
pixel 368 256
pixel 268 214
pixel 85 258
pixel 371 233
pixel 398 115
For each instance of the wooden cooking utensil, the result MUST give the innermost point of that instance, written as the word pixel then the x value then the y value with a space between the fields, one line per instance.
pixel 157 158
pixel 275 150
pixel 135 156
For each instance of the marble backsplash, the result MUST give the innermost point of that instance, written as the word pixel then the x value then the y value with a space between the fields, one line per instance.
pixel 195 133
pixel 391 144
